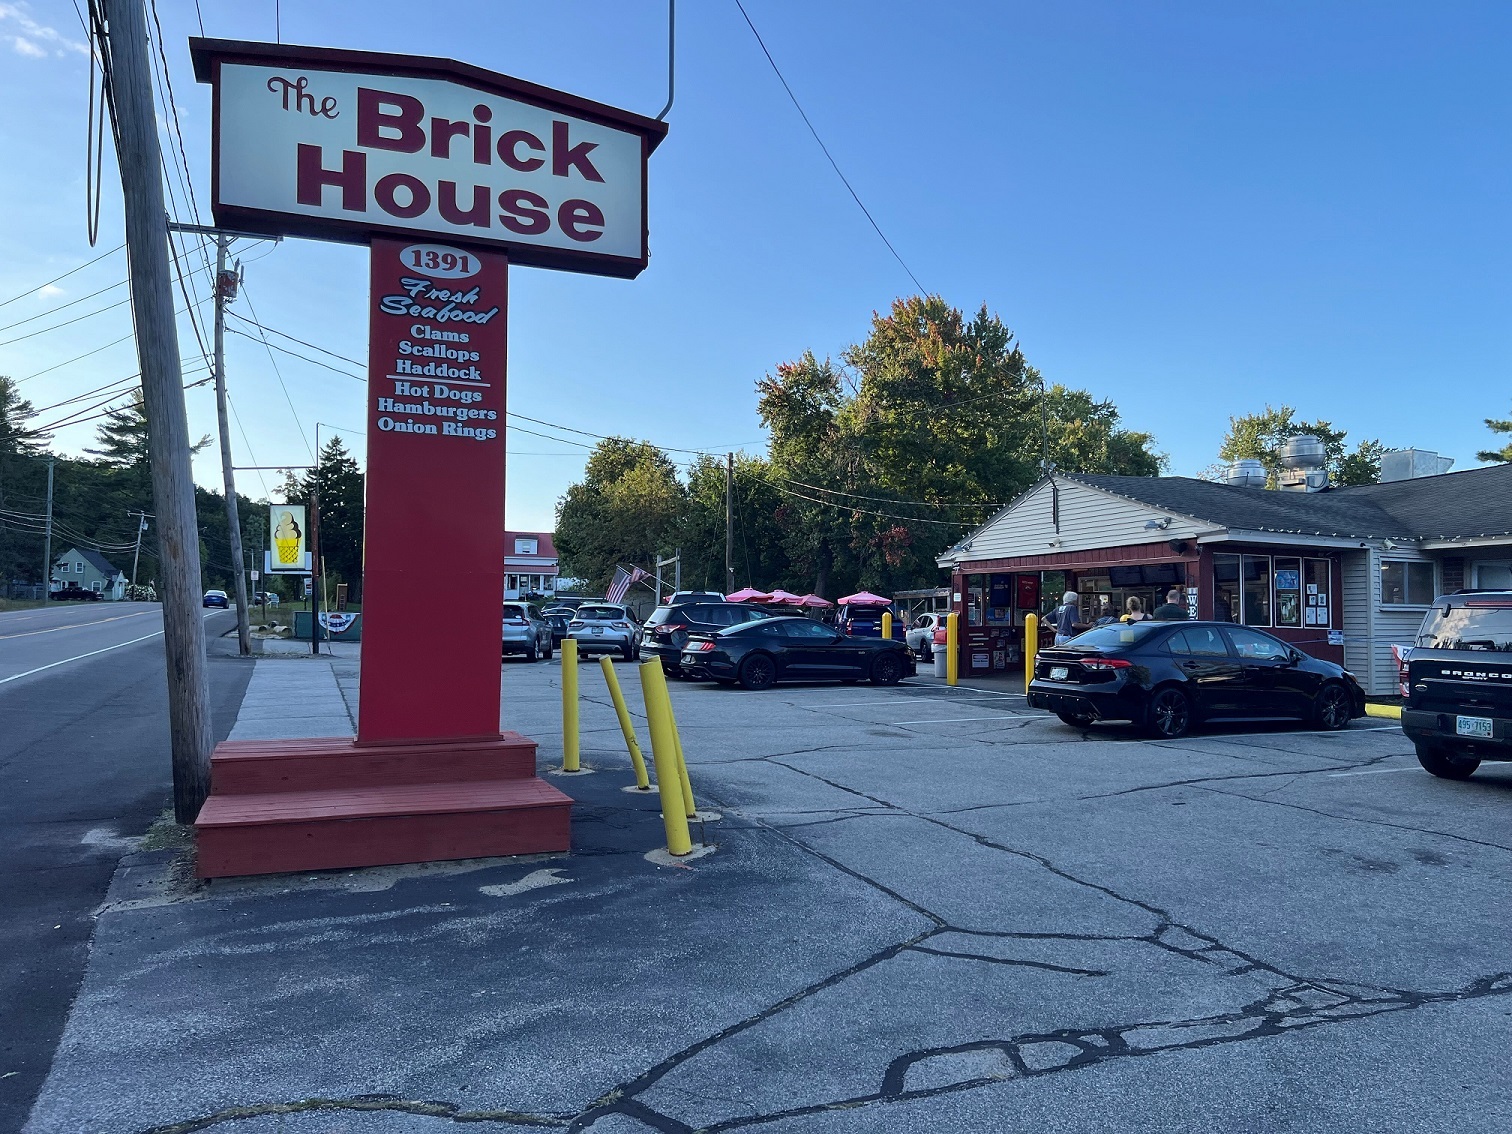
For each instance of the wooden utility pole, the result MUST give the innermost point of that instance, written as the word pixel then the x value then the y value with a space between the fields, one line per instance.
pixel 140 161
pixel 729 523
pixel 47 538
pixel 136 555
pixel 225 289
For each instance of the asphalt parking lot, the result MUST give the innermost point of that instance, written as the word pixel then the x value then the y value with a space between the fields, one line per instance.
pixel 927 909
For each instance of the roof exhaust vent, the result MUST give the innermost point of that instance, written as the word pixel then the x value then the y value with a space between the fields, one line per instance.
pixel 1409 464
pixel 1246 474
pixel 1303 464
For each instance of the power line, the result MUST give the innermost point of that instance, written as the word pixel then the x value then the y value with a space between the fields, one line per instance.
pixel 890 499
pixel 278 374
pixel 81 357
pixel 833 164
pixel 290 353
pixel 64 276
pixel 301 342
pixel 66 322
pixel 61 306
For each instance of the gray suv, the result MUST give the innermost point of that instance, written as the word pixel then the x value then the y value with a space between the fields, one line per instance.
pixel 605 628
pixel 525 632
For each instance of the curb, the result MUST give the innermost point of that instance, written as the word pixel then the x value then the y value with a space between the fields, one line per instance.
pixel 1390 712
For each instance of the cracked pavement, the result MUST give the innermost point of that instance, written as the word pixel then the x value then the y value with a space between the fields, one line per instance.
pixel 951 923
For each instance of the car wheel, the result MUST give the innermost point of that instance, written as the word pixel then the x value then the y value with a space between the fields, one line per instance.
pixel 1331 707
pixel 549 651
pixel 627 652
pixel 758 672
pixel 1444 764
pixel 1076 720
pixel 530 652
pixel 1170 714
pixel 886 670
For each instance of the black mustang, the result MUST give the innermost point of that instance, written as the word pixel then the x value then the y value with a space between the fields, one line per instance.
pixel 760 654
pixel 1165 676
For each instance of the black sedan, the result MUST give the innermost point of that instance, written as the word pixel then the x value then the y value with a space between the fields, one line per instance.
pixel 1168 676
pixel 759 654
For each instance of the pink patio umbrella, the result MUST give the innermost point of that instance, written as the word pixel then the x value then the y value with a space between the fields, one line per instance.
pixel 814 601
pixel 865 598
pixel 749 594
pixel 781 597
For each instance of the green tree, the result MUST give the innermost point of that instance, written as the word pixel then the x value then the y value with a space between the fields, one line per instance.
pixel 760 559
pixel 1262 436
pixel 1502 426
pixel 23 478
pixel 341 488
pixel 627 509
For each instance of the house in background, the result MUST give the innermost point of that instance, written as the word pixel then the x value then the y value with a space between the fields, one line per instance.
pixel 88 569
pixel 1343 573
pixel 530 564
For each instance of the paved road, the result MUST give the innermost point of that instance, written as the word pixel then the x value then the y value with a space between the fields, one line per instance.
pixel 928 910
pixel 84 767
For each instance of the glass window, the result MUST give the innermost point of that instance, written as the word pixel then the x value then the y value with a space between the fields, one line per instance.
pixel 976 599
pixel 1288 591
pixel 1406 584
pixel 1052 586
pixel 1199 641
pixel 1117 634
pixel 1478 624
pixel 525 547
pixel 79 567
pixel 511 582
pixel 1317 601
pixel 804 629
pixel 1258 647
pixel 1226 588
pixel 1256 580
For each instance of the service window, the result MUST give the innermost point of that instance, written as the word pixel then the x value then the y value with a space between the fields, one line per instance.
pixel 1256 578
pixel 1405 583
pixel 976 599
pixel 511 582
pixel 1317 599
pixel 1226 592
pixel 1288 578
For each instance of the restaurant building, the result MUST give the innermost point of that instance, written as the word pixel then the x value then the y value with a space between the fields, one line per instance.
pixel 1343 573
pixel 530 565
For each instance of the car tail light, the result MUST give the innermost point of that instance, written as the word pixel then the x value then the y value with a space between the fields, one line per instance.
pixel 669 628
pixel 1105 663
pixel 575 625
pixel 620 625
pixel 700 647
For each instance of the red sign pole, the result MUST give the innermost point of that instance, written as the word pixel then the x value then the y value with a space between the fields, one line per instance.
pixel 433 579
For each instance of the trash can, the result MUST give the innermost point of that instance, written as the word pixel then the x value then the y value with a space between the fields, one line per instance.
pixel 940 653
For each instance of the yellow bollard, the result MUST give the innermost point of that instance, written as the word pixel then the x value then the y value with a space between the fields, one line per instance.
pixel 1031 647
pixel 626 727
pixel 569 706
pixel 682 765
pixel 886 625
pixel 664 754
pixel 952 648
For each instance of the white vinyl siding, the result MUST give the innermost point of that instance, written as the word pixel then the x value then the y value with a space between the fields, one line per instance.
pixel 1358 608
pixel 1089 518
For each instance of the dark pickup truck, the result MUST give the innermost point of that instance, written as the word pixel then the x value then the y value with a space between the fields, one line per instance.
pixel 1459 684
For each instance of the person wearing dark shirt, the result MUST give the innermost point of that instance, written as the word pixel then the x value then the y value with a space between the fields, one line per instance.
pixel 1223 609
pixel 1173 610
pixel 1065 618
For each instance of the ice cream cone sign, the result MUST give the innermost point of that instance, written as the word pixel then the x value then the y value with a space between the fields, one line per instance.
pixel 287 528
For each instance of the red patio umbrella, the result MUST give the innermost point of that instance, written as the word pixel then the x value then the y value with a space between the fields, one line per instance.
pixel 814 601
pixel 865 598
pixel 749 594
pixel 785 598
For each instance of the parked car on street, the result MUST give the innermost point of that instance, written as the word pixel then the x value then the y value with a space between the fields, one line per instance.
pixel 264 598
pixel 679 597
pixel 75 593
pixel 1459 684
pixel 759 654
pixel 866 621
pixel 525 632
pixel 558 619
pixel 666 632
pixel 605 628
pixel 920 635
pixel 1168 676
pixel 217 598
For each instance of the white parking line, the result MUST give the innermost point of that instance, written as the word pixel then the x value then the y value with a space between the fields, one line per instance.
pixel 1369 772
pixel 957 720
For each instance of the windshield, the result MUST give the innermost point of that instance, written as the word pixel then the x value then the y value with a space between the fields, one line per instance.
pixel 1485 625
pixel 511 611
pixel 1117 636
pixel 601 613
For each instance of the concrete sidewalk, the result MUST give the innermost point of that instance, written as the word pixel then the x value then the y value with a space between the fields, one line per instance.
pixel 294 696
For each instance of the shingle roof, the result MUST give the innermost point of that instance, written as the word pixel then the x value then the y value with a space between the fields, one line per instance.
pixel 1475 502
pixel 97 561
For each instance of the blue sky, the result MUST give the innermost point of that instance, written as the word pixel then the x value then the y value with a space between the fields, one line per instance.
pixel 1190 209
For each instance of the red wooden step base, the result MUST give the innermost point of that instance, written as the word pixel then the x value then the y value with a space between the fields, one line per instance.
pixel 279 806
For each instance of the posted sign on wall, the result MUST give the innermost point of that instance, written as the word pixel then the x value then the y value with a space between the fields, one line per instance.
pixel 340 145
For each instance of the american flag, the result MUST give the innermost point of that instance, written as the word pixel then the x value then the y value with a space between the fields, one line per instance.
pixel 622 582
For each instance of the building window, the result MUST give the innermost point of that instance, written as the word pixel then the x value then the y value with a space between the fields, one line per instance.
pixel 1317 599
pixel 1288 591
pixel 525 546
pixel 1225 587
pixel 511 582
pixel 1404 583
pixel 1255 571
pixel 79 568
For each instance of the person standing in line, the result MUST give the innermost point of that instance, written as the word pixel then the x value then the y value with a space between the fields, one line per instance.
pixel 1223 609
pixel 1066 625
pixel 1105 614
pixel 1134 610
pixel 1174 610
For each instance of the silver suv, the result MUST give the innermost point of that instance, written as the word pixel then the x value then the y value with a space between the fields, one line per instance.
pixel 605 628
pixel 525 632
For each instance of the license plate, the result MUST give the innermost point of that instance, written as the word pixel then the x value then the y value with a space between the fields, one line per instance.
pixel 1473 726
pixel 1059 673
pixel 598 629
